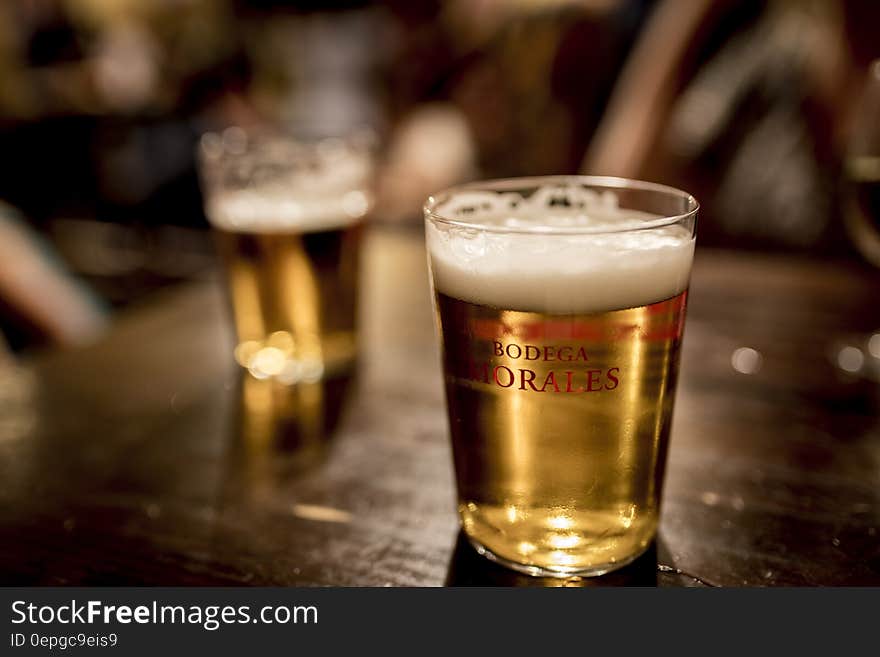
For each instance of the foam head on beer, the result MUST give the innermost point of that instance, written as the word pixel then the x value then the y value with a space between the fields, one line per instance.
pixel 273 210
pixel 277 185
pixel 563 249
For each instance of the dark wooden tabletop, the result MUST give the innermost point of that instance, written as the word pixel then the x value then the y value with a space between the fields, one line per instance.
pixel 147 460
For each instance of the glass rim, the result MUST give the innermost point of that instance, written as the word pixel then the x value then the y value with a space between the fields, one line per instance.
pixel 235 140
pixel 600 182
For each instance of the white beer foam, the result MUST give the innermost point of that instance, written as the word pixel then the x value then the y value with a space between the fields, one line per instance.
pixel 287 186
pixel 548 269
pixel 272 210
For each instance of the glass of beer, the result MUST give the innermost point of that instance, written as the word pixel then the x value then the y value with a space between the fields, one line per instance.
pixel 287 214
pixel 560 305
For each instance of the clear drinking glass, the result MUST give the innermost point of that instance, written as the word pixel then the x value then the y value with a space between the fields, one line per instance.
pixel 287 215
pixel 560 305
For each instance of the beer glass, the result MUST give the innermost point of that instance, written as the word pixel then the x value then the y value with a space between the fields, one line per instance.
pixel 287 216
pixel 560 305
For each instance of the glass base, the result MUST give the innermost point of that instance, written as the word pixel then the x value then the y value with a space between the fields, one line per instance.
pixel 560 572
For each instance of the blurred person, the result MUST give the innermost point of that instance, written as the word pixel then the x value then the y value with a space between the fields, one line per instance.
pixel 747 104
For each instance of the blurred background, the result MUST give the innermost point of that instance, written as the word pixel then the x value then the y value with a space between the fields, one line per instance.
pixel 764 110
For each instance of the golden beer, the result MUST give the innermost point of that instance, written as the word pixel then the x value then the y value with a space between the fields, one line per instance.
pixel 294 300
pixel 560 343
pixel 559 426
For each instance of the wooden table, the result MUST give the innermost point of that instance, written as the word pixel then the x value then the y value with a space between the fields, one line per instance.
pixel 147 460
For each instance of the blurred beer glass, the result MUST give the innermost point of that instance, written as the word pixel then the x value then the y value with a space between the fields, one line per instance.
pixel 560 307
pixel 287 214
